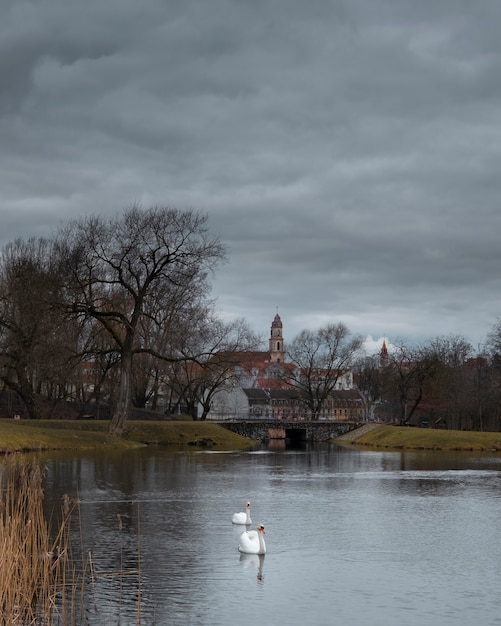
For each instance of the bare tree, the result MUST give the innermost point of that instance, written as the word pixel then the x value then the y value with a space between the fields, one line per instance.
pixel 451 350
pixel 100 364
pixel 493 353
pixel 212 353
pixel 37 344
pixel 449 389
pixel 369 376
pixel 320 358
pixel 407 376
pixel 493 343
pixel 131 267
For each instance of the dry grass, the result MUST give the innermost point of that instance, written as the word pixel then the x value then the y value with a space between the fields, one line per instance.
pixel 30 435
pixel 400 437
pixel 38 435
pixel 37 581
pixel 186 433
pixel 41 581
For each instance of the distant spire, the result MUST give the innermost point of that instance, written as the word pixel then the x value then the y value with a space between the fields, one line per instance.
pixel 276 340
pixel 383 355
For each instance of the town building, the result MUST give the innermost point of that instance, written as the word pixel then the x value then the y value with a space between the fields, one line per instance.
pixel 261 388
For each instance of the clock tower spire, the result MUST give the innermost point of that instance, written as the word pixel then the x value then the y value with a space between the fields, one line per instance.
pixel 276 341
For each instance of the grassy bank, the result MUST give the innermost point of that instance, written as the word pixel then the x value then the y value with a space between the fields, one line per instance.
pixel 399 437
pixel 189 433
pixel 31 435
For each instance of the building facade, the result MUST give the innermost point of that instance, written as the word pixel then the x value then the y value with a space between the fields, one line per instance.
pixel 261 389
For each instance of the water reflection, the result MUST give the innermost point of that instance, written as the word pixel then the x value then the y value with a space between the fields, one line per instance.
pixel 365 537
pixel 254 561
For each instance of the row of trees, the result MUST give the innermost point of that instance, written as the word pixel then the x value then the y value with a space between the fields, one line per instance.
pixel 109 309
pixel 118 312
pixel 442 382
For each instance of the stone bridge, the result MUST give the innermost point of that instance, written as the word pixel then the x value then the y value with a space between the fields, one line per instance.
pixel 293 431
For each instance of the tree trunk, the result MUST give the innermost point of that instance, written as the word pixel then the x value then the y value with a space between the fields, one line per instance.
pixel 24 390
pixel 205 411
pixel 193 410
pixel 154 395
pixel 122 409
pixel 31 405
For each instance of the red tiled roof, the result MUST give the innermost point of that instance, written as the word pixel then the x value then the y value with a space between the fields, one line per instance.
pixel 272 383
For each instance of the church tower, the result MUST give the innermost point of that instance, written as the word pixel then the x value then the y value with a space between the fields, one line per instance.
pixel 276 341
pixel 383 355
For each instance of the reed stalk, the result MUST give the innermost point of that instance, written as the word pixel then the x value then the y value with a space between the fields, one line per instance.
pixel 38 582
pixel 41 581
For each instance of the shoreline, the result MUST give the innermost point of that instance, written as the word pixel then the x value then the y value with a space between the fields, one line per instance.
pixel 37 436
pixel 41 435
pixel 404 438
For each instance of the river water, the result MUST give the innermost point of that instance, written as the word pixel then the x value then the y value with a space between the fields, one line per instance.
pixel 354 537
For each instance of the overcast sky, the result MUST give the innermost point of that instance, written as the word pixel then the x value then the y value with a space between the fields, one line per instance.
pixel 347 152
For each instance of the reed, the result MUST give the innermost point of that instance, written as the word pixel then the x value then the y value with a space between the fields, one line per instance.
pixel 38 581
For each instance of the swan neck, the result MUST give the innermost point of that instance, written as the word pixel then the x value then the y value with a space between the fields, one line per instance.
pixel 261 542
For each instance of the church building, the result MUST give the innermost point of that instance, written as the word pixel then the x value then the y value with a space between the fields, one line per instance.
pixel 262 389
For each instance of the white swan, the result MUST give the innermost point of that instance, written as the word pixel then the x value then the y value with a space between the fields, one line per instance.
pixel 242 517
pixel 252 541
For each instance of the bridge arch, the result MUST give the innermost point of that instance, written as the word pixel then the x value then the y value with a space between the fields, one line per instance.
pixel 294 431
pixel 296 435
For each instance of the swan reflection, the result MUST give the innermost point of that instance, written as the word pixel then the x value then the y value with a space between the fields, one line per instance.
pixel 253 561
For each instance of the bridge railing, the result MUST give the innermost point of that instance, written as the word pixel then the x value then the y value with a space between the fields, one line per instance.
pixel 252 417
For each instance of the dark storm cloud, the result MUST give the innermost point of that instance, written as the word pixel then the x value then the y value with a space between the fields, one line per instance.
pixel 347 152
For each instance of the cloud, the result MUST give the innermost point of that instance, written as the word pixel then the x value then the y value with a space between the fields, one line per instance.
pixel 347 152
